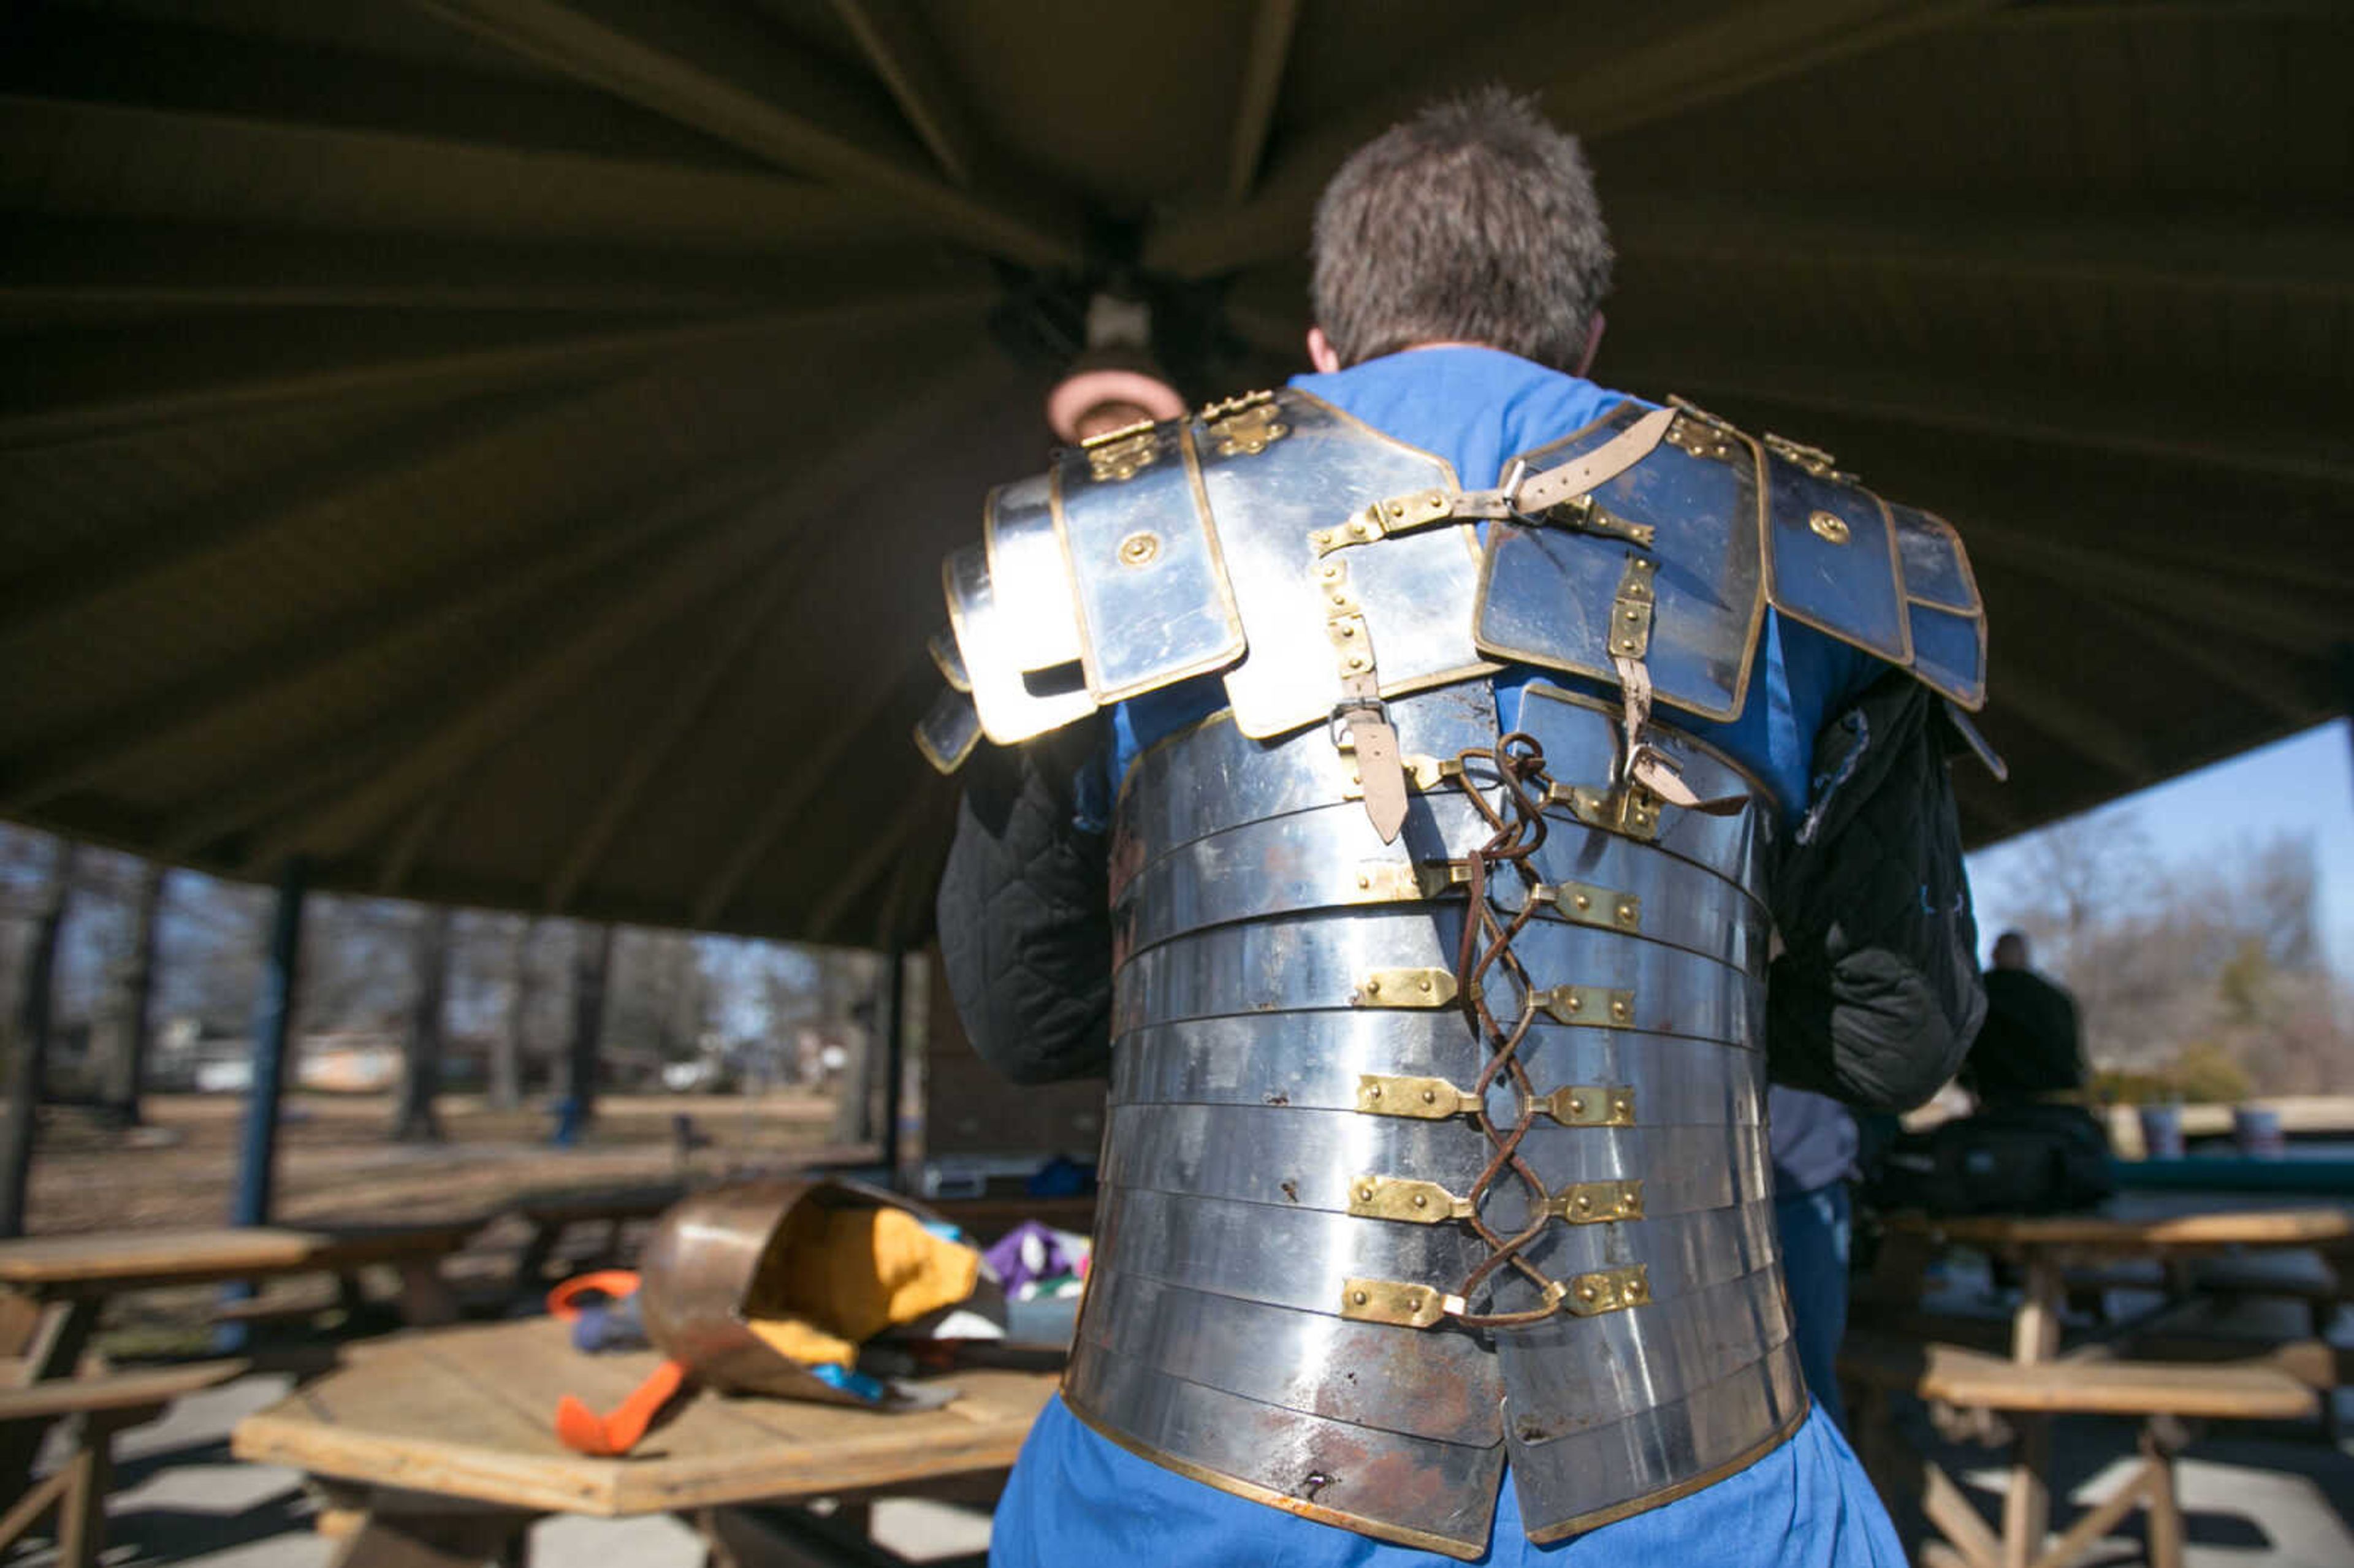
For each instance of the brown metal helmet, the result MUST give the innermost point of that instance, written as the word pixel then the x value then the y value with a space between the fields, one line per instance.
pixel 700 1269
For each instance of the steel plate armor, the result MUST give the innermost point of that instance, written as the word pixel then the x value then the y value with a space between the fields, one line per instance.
pixel 1436 1137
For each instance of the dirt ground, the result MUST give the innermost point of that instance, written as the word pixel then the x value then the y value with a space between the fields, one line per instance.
pixel 336 1161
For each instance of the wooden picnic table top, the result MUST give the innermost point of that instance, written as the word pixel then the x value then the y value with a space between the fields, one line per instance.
pixel 102 1263
pixel 469 1413
pixel 2139 1228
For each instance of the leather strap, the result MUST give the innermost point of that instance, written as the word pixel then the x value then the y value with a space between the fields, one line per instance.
pixel 1605 462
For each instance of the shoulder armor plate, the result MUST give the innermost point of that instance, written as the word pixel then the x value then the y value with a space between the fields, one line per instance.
pixel 1739 524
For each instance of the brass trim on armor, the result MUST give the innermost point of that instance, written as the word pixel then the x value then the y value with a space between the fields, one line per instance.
pixel 1408 988
pixel 1598 1005
pixel 1769 576
pixel 1584 1523
pixel 1814 459
pixel 1603 1290
pixel 1251 1491
pixel 1247 430
pixel 1397 1301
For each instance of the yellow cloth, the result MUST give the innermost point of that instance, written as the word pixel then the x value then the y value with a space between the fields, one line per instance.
pixel 836 1276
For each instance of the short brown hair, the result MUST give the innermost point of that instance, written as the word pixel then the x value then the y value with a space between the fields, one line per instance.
pixel 1474 221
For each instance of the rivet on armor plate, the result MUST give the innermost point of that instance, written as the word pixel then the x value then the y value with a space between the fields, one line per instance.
pixel 1829 525
pixel 1409 988
pixel 1139 549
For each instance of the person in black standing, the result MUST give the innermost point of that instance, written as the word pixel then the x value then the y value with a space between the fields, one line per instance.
pixel 2029 1048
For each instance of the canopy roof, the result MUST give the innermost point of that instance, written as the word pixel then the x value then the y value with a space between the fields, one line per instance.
pixel 501 448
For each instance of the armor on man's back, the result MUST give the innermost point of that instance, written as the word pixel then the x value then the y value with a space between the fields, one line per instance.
pixel 1300 1292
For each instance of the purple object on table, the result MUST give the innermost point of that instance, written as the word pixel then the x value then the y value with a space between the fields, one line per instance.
pixel 1028 1252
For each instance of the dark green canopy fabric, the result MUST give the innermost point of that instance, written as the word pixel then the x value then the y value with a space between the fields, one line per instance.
pixel 501 448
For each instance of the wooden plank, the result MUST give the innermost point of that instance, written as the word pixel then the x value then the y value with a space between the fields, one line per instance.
pixel 2230 1227
pixel 112 1390
pixel 1971 1379
pixel 117 1260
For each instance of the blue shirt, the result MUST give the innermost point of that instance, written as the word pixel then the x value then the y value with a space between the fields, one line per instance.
pixel 1075 1498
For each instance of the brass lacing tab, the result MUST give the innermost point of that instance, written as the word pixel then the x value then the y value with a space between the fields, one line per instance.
pixel 1590 1104
pixel 1598 1005
pixel 1409 882
pixel 1422 773
pixel 1628 809
pixel 1405 988
pixel 1604 1291
pixel 1583 904
pixel 1402 1198
pixel 1598 1202
pixel 1405 1304
pixel 1424 1099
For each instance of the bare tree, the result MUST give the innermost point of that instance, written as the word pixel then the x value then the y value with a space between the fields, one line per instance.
pixel 417 1121
pixel 123 1028
pixel 27 1081
pixel 505 1085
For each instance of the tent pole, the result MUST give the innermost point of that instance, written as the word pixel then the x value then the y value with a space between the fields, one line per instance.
pixel 895 1063
pixel 28 1085
pixel 273 1026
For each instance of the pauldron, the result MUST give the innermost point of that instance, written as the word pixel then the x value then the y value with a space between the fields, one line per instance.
pixel 1231 544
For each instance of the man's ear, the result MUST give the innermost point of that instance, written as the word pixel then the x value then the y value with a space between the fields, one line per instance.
pixel 1320 352
pixel 1593 343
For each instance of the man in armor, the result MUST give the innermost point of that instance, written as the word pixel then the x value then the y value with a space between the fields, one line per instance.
pixel 1404 785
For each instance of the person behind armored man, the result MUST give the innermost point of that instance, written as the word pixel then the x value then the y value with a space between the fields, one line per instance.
pixel 1439 794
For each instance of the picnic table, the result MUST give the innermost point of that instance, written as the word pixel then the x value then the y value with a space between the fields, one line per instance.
pixel 52 1288
pixel 440 1444
pixel 2162 1228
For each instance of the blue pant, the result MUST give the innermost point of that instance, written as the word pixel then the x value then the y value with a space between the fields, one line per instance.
pixel 1815 1245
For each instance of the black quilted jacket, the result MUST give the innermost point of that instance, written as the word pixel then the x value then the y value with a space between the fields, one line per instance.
pixel 1873 1001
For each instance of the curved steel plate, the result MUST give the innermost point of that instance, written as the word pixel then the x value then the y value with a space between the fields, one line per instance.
pixel 1314 1060
pixel 1033 583
pixel 1298 965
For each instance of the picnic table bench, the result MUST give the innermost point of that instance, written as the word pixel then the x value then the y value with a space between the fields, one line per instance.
pixel 101 1405
pixel 2037 1382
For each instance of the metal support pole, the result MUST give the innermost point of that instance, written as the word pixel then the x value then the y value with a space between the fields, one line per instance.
pixel 273 1026
pixel 895 1063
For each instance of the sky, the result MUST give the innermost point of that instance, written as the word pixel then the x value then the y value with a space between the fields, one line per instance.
pixel 2302 785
